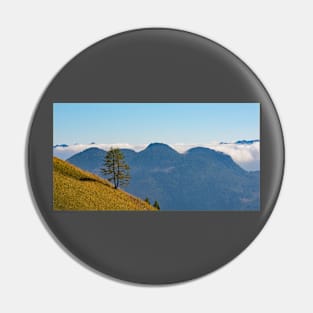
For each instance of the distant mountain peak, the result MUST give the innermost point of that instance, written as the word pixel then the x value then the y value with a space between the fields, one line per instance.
pixel 63 145
pixel 247 142
pixel 241 142
pixel 208 152
pixel 200 149
pixel 158 145
pixel 92 149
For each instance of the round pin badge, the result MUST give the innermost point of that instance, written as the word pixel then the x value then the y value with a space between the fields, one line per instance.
pixel 155 156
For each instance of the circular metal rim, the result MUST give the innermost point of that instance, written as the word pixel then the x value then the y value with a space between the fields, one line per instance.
pixel 32 178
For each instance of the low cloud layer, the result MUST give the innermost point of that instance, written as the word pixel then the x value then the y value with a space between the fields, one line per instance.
pixel 246 155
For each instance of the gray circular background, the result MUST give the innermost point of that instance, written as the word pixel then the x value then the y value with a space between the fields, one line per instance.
pixel 155 65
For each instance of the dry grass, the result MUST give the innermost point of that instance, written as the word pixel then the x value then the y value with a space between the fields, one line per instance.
pixel 77 190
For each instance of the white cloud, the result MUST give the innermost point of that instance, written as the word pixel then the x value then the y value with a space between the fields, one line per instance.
pixel 246 155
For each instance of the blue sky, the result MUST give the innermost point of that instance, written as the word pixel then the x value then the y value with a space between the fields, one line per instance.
pixel 143 123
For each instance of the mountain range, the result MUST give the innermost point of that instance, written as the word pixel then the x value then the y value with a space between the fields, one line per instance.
pixel 200 179
pixel 238 142
pixel 245 153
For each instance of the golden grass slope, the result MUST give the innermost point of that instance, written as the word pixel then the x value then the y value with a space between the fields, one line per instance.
pixel 77 190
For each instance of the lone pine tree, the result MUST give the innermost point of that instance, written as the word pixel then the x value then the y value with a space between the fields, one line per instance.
pixel 156 205
pixel 115 168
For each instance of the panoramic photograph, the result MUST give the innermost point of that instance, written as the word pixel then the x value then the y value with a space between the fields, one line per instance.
pixel 156 157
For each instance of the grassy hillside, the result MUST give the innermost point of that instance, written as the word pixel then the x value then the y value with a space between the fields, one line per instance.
pixel 74 189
